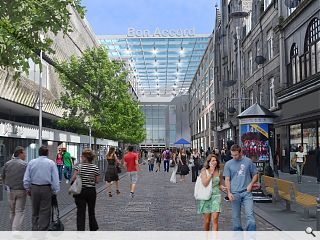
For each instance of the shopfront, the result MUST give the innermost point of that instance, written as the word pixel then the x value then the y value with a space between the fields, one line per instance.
pixel 306 134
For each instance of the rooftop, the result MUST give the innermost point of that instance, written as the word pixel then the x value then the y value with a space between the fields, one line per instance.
pixel 163 64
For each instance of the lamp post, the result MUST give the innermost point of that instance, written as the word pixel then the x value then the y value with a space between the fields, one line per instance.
pixel 239 78
pixel 40 94
pixel 239 14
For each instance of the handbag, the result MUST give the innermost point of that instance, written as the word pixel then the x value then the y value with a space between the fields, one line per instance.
pixel 200 191
pixel 118 169
pixel 55 225
pixel 191 163
pixel 76 186
pixel 172 163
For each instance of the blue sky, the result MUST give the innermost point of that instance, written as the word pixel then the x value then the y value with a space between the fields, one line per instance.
pixel 108 17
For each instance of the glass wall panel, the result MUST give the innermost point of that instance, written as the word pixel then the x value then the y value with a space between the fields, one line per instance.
pixel 309 136
pixel 295 137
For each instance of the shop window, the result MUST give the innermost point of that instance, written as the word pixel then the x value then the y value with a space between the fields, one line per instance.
pixel 309 137
pixel 295 137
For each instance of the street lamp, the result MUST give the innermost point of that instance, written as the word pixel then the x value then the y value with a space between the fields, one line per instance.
pixel 239 14
pixel 40 94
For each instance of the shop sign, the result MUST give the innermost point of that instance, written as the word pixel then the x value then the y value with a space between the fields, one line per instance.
pixel 132 32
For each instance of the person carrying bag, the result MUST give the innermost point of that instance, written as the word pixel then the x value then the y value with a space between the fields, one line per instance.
pixel 76 186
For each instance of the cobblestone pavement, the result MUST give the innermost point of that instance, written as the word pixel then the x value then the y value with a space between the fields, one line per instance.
pixel 158 205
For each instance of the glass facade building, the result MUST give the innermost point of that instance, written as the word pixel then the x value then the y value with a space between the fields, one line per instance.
pixel 162 66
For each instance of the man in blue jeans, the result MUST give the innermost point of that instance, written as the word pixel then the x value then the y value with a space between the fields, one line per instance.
pixel 240 174
pixel 166 156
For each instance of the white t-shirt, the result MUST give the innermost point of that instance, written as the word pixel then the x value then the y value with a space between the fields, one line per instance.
pixel 300 156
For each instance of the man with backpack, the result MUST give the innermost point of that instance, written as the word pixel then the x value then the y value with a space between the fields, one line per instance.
pixel 166 156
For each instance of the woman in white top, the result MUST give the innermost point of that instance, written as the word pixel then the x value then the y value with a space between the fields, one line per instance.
pixel 174 165
pixel 301 161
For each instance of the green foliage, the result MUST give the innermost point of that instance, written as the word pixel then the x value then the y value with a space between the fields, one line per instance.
pixel 102 101
pixel 23 21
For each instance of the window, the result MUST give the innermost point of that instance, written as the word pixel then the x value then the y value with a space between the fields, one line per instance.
pixel 267 3
pixel 309 136
pixel 251 97
pixel 248 23
pixel 294 74
pixel 259 94
pixel 250 63
pixel 271 93
pixel 310 60
pixel 269 44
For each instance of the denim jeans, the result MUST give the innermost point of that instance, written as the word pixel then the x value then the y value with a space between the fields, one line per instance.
pixel 60 171
pixel 166 165
pixel 246 200
pixel 67 172
pixel 151 167
pixel 299 171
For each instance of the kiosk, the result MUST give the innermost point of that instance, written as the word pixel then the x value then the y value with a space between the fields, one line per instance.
pixel 257 138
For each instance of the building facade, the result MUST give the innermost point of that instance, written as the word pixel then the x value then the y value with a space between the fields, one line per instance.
pixel 267 52
pixel 19 100
pixel 166 122
pixel 201 102
pixel 298 97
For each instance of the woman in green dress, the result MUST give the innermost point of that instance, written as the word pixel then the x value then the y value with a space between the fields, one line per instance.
pixel 211 208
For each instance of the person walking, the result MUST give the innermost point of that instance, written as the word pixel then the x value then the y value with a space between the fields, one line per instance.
pixel 301 161
pixel 132 165
pixel 89 173
pixel 158 161
pixel 174 166
pixel 166 156
pixel 67 163
pixel 184 169
pixel 112 171
pixel 195 157
pixel 13 172
pixel 211 208
pixel 151 160
pixel 59 163
pixel 276 162
pixel 240 174
pixel 41 181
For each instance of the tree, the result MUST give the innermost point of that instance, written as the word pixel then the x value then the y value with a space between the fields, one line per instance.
pixel 102 102
pixel 21 24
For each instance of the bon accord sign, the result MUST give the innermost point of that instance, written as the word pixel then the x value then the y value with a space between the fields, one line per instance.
pixel 132 32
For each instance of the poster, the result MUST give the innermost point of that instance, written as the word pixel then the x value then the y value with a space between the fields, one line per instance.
pixel 255 141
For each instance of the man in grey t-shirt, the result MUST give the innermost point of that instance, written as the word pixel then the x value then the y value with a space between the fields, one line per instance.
pixel 240 174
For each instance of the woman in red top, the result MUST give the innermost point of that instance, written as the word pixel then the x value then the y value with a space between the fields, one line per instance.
pixel 59 162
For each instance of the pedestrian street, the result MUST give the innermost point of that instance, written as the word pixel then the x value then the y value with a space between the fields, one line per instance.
pixel 158 205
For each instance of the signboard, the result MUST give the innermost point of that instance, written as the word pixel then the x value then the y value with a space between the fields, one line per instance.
pixel 132 32
pixel 255 141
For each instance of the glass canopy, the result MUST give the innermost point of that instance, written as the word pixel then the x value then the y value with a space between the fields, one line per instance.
pixel 160 66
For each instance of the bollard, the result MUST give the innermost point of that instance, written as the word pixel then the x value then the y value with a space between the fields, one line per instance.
pixel 318 213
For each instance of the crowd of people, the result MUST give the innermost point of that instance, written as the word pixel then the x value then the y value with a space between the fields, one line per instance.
pixel 41 177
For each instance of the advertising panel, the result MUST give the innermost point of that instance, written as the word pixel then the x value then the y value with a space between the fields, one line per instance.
pixel 255 141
